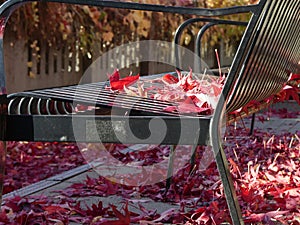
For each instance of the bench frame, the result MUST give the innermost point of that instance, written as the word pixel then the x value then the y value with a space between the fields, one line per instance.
pixel 259 28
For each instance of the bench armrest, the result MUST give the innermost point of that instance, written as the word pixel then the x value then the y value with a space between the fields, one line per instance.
pixel 210 22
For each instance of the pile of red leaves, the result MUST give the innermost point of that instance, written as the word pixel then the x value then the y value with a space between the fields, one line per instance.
pixel 192 94
pixel 265 168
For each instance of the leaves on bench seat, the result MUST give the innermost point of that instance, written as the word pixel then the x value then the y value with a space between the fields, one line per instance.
pixel 195 94
pixel 190 93
pixel 117 83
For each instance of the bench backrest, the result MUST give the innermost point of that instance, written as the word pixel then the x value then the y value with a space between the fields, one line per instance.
pixel 268 53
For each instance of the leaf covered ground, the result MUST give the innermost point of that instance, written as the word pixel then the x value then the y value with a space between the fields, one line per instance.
pixel 265 167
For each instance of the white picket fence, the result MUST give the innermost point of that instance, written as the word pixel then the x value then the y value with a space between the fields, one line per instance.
pixel 36 65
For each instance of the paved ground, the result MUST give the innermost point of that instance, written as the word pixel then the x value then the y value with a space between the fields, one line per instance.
pixel 59 182
pixel 280 125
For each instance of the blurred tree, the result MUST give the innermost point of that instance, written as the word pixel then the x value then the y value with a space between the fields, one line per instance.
pixel 58 23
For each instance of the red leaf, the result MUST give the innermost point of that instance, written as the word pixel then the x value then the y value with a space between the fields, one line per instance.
pixel 172 108
pixel 295 77
pixel 291 93
pixel 264 216
pixel 217 89
pixel 170 79
pixel 52 209
pixel 122 219
pixel 3 218
pixel 115 76
pixel 188 106
pixel 118 84
pixel 247 194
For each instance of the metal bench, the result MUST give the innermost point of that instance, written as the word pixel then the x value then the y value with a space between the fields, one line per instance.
pixel 268 53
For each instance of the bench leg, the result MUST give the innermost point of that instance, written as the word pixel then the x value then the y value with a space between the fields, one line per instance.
pixel 170 168
pixel 252 124
pixel 228 186
pixel 2 167
pixel 216 138
pixel 171 165
pixel 193 159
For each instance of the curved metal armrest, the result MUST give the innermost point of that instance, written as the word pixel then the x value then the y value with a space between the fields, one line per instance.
pixel 209 23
